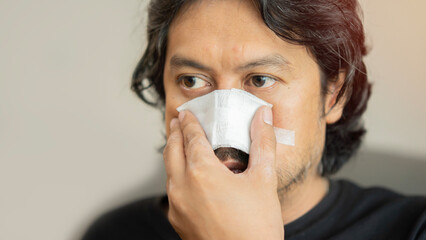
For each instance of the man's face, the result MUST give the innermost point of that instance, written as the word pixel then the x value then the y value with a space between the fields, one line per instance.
pixel 225 44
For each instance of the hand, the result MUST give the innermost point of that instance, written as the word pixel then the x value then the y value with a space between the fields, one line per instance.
pixel 207 200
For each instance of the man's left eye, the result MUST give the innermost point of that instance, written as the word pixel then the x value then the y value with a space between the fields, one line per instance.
pixel 262 81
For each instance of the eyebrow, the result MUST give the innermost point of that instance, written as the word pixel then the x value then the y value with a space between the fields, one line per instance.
pixel 178 61
pixel 274 60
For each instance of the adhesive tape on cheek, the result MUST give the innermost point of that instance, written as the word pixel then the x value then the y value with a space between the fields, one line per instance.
pixel 226 116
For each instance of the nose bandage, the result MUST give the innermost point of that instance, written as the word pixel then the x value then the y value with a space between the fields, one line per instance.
pixel 226 117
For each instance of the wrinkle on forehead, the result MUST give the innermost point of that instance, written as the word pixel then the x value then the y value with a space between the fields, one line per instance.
pixel 220 16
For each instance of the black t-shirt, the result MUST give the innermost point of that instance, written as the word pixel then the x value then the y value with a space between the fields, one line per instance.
pixel 346 212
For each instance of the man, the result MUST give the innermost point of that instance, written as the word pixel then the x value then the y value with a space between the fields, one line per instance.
pixel 305 58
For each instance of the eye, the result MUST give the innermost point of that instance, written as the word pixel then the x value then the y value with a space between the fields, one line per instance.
pixel 262 81
pixel 192 82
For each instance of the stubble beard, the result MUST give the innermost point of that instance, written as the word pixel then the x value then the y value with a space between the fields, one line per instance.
pixel 287 180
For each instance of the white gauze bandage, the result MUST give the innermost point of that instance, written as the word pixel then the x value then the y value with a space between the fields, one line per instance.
pixel 226 117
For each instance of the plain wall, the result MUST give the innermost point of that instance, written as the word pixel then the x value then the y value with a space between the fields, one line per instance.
pixel 396 117
pixel 75 141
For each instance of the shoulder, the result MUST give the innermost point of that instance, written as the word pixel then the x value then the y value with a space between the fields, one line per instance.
pixel 383 209
pixel 141 219
pixel 379 197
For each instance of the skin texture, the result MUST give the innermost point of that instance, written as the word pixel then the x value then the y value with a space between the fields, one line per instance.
pixel 217 45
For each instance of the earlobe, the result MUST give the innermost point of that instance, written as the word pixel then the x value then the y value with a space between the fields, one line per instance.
pixel 333 110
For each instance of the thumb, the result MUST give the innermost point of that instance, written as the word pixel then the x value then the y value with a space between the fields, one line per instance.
pixel 263 143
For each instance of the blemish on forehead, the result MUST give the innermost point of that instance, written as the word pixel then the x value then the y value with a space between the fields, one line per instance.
pixel 209 50
pixel 210 47
pixel 238 48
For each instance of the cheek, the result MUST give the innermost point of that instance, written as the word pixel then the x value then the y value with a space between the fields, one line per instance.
pixel 296 109
pixel 299 110
pixel 173 100
pixel 170 113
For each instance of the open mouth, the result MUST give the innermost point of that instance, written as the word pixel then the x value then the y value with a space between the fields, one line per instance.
pixel 235 160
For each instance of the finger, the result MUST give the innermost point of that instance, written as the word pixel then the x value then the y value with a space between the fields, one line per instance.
pixel 173 154
pixel 196 146
pixel 263 145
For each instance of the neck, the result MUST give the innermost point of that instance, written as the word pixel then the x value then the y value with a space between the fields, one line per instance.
pixel 303 197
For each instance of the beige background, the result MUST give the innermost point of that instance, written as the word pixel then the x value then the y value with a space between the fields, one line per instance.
pixel 75 141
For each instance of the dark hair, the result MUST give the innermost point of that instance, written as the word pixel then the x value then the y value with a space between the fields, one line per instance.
pixel 331 30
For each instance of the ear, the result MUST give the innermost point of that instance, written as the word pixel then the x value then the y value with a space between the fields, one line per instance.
pixel 333 111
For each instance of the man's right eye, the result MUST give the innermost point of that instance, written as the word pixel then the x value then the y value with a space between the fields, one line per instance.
pixel 192 82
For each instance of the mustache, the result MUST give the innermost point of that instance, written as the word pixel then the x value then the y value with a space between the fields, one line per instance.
pixel 223 153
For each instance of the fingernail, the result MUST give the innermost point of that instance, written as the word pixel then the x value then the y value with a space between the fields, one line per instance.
pixel 267 115
pixel 173 122
pixel 181 116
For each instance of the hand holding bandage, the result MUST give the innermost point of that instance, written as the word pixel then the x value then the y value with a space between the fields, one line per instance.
pixel 206 200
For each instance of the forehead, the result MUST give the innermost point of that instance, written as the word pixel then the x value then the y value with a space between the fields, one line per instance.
pixel 222 27
pixel 221 18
